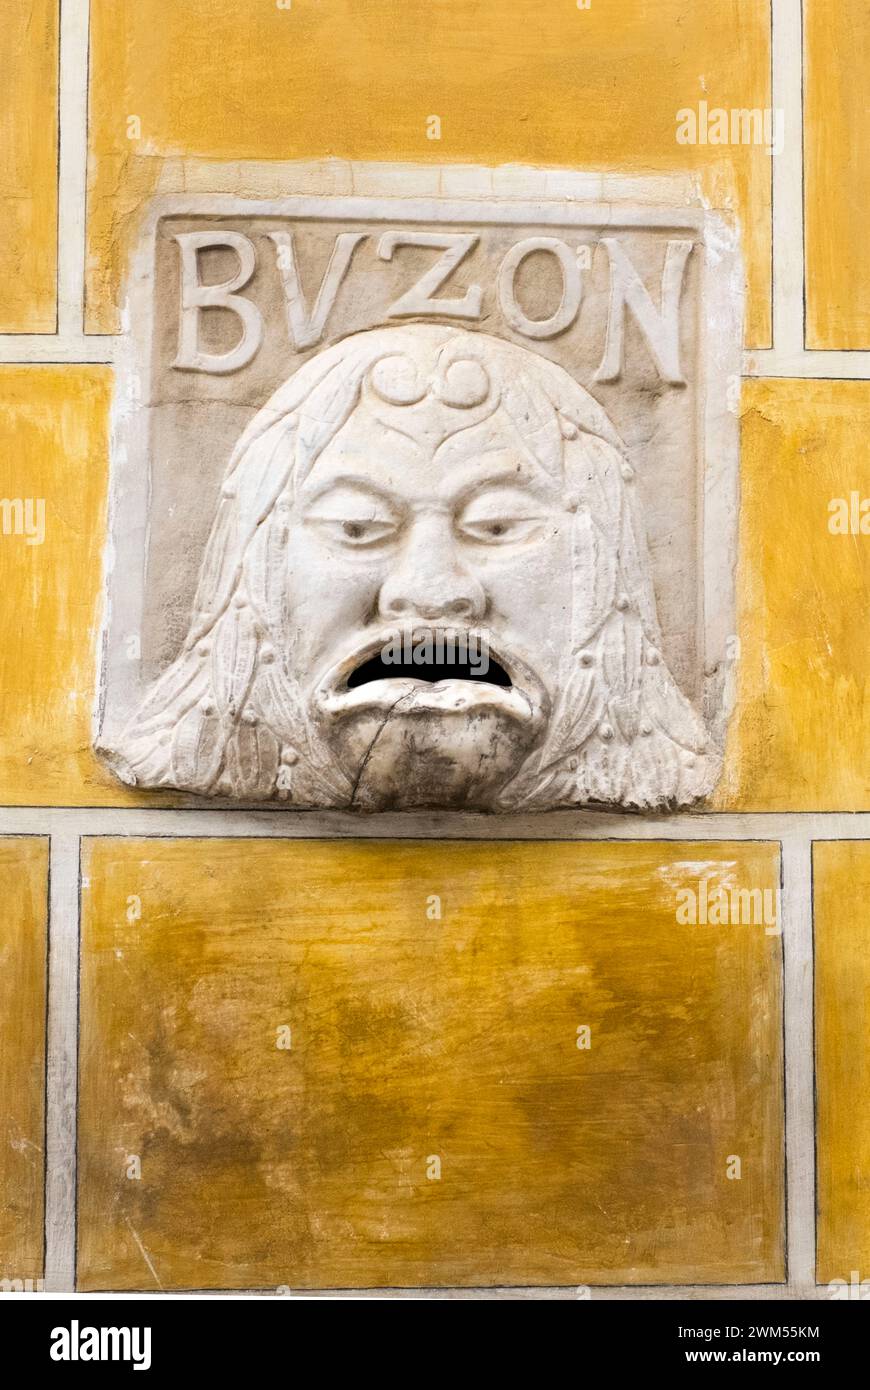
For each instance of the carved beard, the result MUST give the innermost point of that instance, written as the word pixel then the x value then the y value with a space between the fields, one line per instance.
pixel 621 733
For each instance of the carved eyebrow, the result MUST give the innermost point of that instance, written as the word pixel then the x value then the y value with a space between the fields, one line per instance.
pixel 506 477
pixel 478 452
pixel 350 480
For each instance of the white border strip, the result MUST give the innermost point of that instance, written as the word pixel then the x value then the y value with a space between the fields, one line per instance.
pixel 62 1061
pixel 72 165
pixel 216 823
pixel 800 1141
pixel 788 211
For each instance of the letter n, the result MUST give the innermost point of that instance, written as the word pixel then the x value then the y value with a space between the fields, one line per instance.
pixel 660 327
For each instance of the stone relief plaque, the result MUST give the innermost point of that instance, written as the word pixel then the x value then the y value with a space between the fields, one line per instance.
pixel 424 503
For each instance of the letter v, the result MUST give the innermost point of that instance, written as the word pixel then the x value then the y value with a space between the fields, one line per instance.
pixel 306 329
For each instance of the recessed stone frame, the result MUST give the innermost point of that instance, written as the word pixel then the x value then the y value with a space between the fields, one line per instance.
pixel 592 349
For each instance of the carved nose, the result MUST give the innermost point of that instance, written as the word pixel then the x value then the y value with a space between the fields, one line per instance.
pixel 429 582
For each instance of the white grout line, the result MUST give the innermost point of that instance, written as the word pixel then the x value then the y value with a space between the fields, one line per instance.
pixel 72 171
pixel 43 348
pixel 70 347
pixel 61 1084
pixel 848 366
pixel 555 825
pixel 789 358
pixel 797 938
pixel 788 251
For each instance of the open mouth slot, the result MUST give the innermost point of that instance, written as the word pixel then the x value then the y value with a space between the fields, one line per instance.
pixel 377 668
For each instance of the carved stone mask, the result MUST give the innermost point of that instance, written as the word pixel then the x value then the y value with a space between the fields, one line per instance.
pixel 410 486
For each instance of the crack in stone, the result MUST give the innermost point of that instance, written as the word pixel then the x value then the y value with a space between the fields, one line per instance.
pixel 408 694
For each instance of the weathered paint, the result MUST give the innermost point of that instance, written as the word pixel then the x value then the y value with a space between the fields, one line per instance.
pixel 525 83
pixel 23 925
pixel 836 178
pixel 801 728
pixel 433 994
pixel 28 165
pixel 841 893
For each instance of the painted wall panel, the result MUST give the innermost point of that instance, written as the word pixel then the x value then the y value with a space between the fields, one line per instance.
pixel 801 728
pixel 841 879
pixel 836 179
pixel 53 479
pixel 363 1064
pixel 28 165
pixel 23 932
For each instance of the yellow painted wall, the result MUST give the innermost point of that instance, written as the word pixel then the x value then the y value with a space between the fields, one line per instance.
pixel 414 1037
pixel 801 728
pixel 23 922
pixel 841 878
pixel 837 179
pixel 531 81
pixel 53 451
pixel 28 165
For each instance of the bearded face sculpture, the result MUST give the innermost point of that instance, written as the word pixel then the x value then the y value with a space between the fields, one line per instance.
pixel 409 485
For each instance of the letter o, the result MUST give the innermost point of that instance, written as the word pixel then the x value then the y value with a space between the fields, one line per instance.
pixel 572 288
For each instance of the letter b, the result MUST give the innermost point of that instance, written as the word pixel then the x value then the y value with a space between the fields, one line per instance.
pixel 195 296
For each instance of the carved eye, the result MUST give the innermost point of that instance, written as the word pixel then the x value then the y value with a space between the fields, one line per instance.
pixel 363 532
pixel 500 517
pixel 355 519
pixel 356 531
